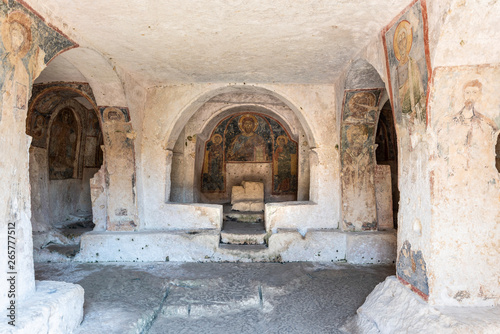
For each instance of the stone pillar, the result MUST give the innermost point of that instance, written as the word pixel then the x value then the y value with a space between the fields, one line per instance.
pixel 26 45
pixel 465 187
pixel 119 160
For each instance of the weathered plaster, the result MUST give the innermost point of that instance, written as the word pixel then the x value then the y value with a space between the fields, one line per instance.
pixel 168 109
pixel 24 58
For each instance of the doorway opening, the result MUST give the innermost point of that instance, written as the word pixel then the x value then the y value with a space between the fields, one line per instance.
pixel 387 152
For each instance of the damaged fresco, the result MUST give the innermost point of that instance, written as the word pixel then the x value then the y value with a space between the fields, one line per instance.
pixel 465 126
pixel 250 138
pixel 359 114
pixel 64 136
pixel 408 66
pixel 412 269
pixel 26 45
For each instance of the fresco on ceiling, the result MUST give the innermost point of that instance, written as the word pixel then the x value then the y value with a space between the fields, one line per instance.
pixel 408 66
pixel 63 145
pixel 359 114
pixel 250 138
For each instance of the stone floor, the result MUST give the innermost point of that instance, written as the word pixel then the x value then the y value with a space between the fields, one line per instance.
pixel 173 297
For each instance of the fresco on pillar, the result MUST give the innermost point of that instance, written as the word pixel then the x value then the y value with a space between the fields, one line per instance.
pixel 359 114
pixel 62 145
pixel 408 66
pixel 26 45
pixel 250 138
pixel 93 152
pixel 465 183
pixel 411 270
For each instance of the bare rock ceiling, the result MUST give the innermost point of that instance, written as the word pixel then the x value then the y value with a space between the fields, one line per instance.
pixel 257 41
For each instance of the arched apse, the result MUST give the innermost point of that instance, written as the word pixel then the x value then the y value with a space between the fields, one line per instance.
pixel 192 107
pixel 190 149
pixel 364 96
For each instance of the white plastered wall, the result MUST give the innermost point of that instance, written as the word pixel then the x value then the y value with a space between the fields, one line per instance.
pixel 168 110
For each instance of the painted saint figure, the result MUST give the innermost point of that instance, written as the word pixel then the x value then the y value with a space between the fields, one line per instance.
pixel 248 145
pixel 213 169
pixel 284 166
pixel 408 78
pixel 62 146
pixel 467 136
pixel 357 159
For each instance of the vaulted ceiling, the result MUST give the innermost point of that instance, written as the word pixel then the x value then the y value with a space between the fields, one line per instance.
pixel 257 41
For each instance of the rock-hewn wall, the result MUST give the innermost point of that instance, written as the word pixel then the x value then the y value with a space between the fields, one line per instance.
pixel 26 45
pixel 168 110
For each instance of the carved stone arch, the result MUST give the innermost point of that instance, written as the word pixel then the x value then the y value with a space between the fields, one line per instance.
pixel 190 145
pixel 172 134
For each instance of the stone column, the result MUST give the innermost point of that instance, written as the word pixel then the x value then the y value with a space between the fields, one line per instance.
pixel 26 45
pixel 119 160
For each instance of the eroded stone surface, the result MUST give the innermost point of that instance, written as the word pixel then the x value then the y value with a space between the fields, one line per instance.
pixel 394 308
pixel 383 197
pixel 216 298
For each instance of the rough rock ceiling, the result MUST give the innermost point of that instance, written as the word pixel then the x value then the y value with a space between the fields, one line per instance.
pixel 174 41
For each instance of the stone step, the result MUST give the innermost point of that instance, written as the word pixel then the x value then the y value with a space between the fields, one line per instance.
pixel 243 233
pixel 246 217
pixel 244 248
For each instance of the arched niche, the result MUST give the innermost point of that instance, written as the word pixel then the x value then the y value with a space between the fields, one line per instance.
pixel 221 115
pixel 363 181
pixel 65 151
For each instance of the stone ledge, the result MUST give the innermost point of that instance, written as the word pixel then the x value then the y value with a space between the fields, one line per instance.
pixel 287 245
pixel 371 247
pixel 172 245
pixel 55 307
pixel 394 308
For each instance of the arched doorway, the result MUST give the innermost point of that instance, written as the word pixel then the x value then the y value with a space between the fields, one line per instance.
pixel 65 153
pixel 386 152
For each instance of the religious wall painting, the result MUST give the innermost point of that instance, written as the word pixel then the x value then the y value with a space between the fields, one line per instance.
pixel 63 145
pixel 284 166
pixel 361 106
pixel 357 157
pixel 21 96
pixel 250 138
pixel 114 114
pixel 466 120
pixel 408 66
pixel 93 156
pixel 27 43
pixel 411 270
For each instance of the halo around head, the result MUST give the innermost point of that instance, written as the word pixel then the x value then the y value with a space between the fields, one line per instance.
pixel 403 26
pixel 252 117
pixel 17 18
pixel 283 137
pixel 218 137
